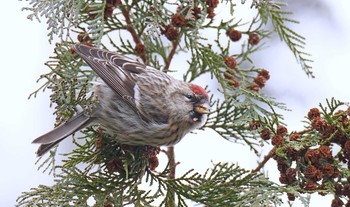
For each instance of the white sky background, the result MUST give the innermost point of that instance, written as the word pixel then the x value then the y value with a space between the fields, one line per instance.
pixel 25 48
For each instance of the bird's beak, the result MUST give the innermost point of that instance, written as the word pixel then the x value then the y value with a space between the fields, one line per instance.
pixel 202 109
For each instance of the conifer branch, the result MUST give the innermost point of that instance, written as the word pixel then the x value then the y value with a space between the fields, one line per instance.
pixel 111 174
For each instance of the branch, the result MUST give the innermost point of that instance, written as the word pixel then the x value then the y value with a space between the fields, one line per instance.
pixel 130 28
pixel 266 158
pixel 172 170
pixel 175 43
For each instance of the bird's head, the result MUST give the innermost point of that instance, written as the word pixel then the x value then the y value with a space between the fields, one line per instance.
pixel 198 99
pixel 191 104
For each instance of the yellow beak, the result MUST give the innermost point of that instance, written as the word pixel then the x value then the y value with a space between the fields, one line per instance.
pixel 202 109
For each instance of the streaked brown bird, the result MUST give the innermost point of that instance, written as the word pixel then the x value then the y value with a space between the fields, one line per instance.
pixel 139 104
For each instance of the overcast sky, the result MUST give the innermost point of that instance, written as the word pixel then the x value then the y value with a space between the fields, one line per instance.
pixel 25 48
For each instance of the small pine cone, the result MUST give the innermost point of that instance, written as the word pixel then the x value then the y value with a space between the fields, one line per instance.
pixel 261 81
pixel 282 167
pixel 328 170
pixel 291 174
pixel 229 75
pixel 108 205
pixel 254 87
pixel 211 13
pixel 292 153
pixel 342 117
pixel 311 172
pixel 283 179
pixel 253 39
pixel 319 124
pixel 325 152
pixel 196 11
pixel 152 163
pixel 178 20
pixel 281 130
pixel 151 153
pixel 337 202
pixel 280 160
pixel 72 51
pixel 319 175
pixel 114 165
pixel 234 83
pixel 310 185
pixel 253 125
pixel 291 197
pixel 230 62
pixel 140 49
pixel 170 32
pixel 311 156
pixel 83 37
pixel 294 136
pixel 234 35
pixel 265 134
pixel 277 141
pixel 265 73
pixel 314 113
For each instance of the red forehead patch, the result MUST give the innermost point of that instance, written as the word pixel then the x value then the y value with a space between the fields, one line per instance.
pixel 198 90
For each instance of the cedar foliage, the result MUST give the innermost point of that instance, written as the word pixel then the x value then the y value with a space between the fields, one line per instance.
pixel 154 31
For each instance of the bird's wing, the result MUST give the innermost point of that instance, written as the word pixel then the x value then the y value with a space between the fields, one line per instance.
pixel 117 71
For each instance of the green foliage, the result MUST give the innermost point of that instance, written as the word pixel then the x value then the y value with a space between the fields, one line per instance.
pixel 60 16
pixel 101 171
pixel 223 185
pixel 69 83
pixel 270 10
pixel 241 188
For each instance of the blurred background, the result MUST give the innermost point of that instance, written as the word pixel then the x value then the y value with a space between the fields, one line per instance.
pixel 25 49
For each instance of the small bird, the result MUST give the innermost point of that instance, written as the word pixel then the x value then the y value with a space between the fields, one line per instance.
pixel 137 104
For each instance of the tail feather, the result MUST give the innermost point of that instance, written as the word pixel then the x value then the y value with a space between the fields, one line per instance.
pixel 43 148
pixel 56 135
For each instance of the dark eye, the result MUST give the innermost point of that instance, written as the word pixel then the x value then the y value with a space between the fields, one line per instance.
pixel 189 96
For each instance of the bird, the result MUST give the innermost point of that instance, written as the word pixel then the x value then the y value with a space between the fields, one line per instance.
pixel 137 104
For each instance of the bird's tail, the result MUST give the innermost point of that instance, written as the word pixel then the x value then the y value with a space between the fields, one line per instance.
pixel 56 135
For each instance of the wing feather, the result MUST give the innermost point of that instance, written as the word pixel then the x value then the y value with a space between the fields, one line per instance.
pixel 117 71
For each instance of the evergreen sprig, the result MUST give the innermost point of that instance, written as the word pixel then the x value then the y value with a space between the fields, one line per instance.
pixel 61 16
pixel 103 172
pixel 239 188
pixel 271 10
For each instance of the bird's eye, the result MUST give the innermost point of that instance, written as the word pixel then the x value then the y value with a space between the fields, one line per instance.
pixel 189 96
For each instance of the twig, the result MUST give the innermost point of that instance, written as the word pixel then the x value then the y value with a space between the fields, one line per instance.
pixel 175 43
pixel 130 28
pixel 172 170
pixel 266 158
pixel 172 164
